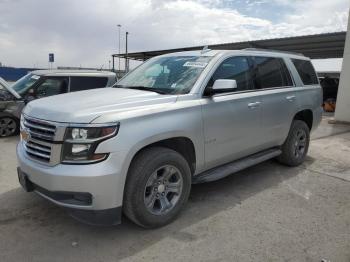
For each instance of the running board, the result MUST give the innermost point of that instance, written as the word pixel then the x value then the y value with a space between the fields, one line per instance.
pixel 235 166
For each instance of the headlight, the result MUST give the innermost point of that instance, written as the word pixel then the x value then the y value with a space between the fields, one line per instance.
pixel 81 142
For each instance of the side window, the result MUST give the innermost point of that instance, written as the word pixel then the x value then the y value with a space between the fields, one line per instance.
pixel 52 86
pixel 236 68
pixel 79 83
pixel 271 72
pixel 306 71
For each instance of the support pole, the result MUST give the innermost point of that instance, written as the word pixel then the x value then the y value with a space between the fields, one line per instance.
pixel 126 52
pixel 119 26
pixel 113 63
pixel 342 111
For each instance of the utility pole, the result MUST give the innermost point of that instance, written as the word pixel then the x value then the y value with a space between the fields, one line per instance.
pixel 119 26
pixel 126 53
pixel 113 63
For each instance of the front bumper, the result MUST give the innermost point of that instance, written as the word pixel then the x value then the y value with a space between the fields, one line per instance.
pixel 102 182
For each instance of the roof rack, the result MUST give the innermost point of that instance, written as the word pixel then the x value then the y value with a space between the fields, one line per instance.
pixel 205 49
pixel 273 51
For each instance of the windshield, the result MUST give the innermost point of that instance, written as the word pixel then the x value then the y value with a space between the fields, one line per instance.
pixel 23 84
pixel 166 75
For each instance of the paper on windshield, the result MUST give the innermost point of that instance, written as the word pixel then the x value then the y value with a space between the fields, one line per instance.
pixel 195 64
pixel 35 77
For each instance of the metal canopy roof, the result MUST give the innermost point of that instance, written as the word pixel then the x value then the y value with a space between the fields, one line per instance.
pixel 329 45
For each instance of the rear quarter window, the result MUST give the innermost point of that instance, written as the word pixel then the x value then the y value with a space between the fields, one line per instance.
pixel 306 71
pixel 79 83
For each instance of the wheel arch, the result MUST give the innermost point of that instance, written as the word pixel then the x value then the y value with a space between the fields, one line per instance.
pixel 305 115
pixel 181 144
pixel 6 114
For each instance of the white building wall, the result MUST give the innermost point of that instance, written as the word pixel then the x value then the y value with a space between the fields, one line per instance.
pixel 342 111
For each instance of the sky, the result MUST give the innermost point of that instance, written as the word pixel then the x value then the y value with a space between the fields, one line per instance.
pixel 84 32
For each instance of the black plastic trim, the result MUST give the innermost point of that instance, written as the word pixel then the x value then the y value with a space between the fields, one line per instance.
pixel 71 198
pixel 105 217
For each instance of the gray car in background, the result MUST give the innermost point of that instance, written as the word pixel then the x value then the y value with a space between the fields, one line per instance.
pixel 176 120
pixel 43 83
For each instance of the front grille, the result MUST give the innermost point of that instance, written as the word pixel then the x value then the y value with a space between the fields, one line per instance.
pixel 40 140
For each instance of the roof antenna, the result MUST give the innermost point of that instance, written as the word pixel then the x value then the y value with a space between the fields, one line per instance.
pixel 205 49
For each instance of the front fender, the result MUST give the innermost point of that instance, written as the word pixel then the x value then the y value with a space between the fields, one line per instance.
pixel 13 109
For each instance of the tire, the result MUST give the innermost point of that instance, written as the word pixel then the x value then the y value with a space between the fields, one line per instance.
pixel 156 170
pixel 9 126
pixel 294 149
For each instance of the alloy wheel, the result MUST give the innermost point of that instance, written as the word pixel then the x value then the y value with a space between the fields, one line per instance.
pixel 8 126
pixel 163 190
pixel 300 143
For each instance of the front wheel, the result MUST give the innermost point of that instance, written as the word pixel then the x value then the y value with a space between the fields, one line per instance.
pixel 9 126
pixel 294 149
pixel 157 187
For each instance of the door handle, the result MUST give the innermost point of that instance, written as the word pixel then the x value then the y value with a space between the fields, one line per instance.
pixel 290 98
pixel 254 104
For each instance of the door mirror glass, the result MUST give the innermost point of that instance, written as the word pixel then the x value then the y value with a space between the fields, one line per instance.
pixel 224 86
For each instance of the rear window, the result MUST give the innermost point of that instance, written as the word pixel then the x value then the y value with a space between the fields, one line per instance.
pixel 79 83
pixel 271 72
pixel 306 71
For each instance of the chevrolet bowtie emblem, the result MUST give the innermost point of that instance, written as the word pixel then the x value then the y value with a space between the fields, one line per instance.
pixel 25 136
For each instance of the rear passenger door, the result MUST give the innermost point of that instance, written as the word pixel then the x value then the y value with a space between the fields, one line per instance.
pixel 278 96
pixel 80 83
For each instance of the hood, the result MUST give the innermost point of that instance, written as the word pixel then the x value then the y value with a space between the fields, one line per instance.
pixel 85 106
pixel 6 85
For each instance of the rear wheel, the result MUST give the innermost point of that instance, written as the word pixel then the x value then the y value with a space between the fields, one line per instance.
pixel 157 187
pixel 8 126
pixel 294 149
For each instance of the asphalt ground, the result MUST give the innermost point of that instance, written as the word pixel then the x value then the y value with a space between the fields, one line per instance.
pixel 268 212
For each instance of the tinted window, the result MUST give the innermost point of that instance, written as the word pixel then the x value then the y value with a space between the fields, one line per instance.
pixel 306 71
pixel 79 83
pixel 52 86
pixel 235 68
pixel 271 72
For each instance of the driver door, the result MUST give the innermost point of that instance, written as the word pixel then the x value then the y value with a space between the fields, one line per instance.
pixel 52 86
pixel 232 121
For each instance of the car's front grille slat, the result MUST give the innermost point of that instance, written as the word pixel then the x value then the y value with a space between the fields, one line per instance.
pixel 39 147
pixel 36 153
pixel 41 136
pixel 39 129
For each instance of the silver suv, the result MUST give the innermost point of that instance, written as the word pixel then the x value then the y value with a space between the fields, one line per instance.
pixel 176 120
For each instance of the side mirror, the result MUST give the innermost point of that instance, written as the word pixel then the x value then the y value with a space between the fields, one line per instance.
pixel 30 96
pixel 224 86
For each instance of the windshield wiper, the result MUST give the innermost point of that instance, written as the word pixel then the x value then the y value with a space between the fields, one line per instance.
pixel 143 88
